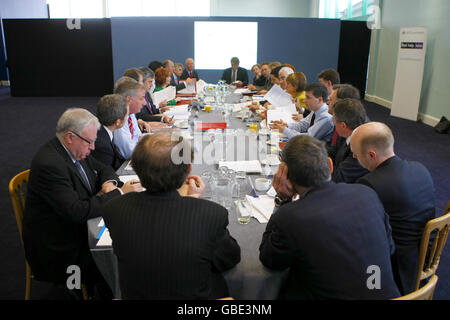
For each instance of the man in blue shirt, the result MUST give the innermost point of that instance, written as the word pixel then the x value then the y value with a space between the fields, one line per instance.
pixel 127 137
pixel 318 124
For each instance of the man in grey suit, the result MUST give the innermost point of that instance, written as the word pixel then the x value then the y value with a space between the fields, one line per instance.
pixel 406 190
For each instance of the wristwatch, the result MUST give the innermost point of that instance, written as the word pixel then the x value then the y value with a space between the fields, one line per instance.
pixel 279 202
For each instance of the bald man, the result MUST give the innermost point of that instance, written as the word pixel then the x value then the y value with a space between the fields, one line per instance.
pixel 179 85
pixel 189 71
pixel 406 190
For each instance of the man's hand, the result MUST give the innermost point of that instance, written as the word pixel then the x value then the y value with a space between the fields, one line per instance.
pixel 251 87
pixel 132 186
pixel 144 126
pixel 279 125
pixel 254 106
pixel 168 120
pixel 297 117
pixel 194 187
pixel 281 184
pixel 190 81
pixel 163 106
pixel 108 187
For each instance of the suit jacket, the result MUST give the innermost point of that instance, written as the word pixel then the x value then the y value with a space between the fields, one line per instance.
pixel 185 74
pixel 242 75
pixel 406 190
pixel 57 208
pixel 148 110
pixel 170 247
pixel 105 151
pixel 178 86
pixel 328 238
pixel 346 168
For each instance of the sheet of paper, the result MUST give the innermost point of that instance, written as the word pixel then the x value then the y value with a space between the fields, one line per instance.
pixel 239 106
pixel 200 85
pixel 168 93
pixel 101 223
pixel 278 97
pixel 279 114
pixel 127 178
pixel 290 108
pixel 263 205
pixel 252 166
pixel 242 90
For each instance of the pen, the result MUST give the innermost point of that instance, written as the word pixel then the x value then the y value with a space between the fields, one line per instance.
pixel 134 182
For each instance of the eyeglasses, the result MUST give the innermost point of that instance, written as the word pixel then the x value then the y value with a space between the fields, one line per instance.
pixel 84 139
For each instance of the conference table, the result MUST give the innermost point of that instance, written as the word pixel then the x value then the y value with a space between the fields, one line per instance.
pixel 249 279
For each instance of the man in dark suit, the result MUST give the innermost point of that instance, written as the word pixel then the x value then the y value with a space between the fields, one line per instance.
pixel 406 190
pixel 189 71
pixel 235 74
pixel 170 66
pixel 348 115
pixel 335 238
pixel 66 188
pixel 112 112
pixel 340 91
pixel 170 244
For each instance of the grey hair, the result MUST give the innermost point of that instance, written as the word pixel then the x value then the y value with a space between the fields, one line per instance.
pixel 147 73
pixel 128 88
pixel 177 64
pixel 75 120
pixel 287 69
pixel 122 80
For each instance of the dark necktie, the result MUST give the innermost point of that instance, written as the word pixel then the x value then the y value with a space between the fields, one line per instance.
pixel 233 76
pixel 335 137
pixel 149 105
pixel 83 175
pixel 312 120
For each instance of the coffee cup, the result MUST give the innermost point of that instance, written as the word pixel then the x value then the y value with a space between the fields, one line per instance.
pixel 262 184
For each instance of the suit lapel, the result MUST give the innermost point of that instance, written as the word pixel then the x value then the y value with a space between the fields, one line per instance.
pixel 62 151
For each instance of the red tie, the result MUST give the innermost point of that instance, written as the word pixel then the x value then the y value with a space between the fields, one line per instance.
pixel 130 125
pixel 190 74
pixel 335 137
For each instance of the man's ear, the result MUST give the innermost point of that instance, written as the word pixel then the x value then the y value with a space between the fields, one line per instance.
pixel 330 165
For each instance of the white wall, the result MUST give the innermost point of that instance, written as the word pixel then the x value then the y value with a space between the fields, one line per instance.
pixel 262 8
pixel 23 9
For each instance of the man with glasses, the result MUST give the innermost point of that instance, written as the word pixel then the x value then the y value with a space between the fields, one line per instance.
pixel 66 188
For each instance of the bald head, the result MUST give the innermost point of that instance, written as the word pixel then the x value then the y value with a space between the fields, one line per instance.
pixel 189 63
pixel 156 161
pixel 372 143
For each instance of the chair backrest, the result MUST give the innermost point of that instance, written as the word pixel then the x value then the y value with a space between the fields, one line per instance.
pixel 424 293
pixel 17 191
pixel 431 257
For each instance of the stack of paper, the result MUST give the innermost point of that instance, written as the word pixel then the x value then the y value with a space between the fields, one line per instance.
pixel 180 112
pixel 239 106
pixel 252 166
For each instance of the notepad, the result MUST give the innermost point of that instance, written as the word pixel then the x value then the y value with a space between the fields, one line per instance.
pixel 251 166
pixel 279 114
pixel 168 93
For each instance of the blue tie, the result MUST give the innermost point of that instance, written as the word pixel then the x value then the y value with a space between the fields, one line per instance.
pixel 83 175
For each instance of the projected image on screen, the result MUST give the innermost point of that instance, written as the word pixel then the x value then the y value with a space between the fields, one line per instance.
pixel 217 42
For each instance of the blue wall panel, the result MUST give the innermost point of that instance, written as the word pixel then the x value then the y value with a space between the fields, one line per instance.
pixel 311 45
